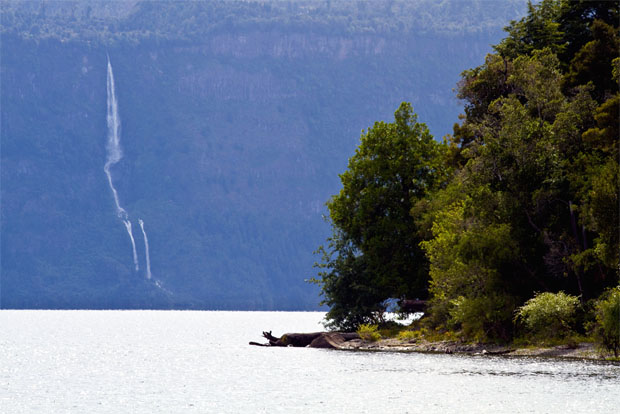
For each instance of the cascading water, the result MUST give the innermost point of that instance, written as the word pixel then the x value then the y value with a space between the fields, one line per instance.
pixel 115 154
pixel 133 244
pixel 146 248
pixel 114 139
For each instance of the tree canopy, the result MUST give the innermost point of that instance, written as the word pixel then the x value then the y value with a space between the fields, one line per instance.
pixel 522 198
pixel 538 172
pixel 374 253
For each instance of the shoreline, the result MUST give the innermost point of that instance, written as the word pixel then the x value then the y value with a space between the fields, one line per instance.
pixel 352 341
pixel 582 350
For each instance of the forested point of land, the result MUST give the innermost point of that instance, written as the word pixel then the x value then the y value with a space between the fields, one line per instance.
pixel 509 227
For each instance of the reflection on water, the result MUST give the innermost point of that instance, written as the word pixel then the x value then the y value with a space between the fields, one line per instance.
pixel 197 362
pixel 568 370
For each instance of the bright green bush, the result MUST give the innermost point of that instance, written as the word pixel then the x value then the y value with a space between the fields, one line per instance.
pixel 607 313
pixel 409 335
pixel 549 315
pixel 369 332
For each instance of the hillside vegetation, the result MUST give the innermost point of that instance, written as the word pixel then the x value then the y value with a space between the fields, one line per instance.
pixel 236 118
pixel 134 20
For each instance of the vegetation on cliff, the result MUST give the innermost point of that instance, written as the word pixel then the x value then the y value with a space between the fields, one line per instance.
pixel 236 117
pixel 135 20
pixel 521 199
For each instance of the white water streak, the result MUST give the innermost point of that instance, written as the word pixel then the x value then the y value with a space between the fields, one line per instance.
pixel 114 139
pixel 133 244
pixel 115 154
pixel 146 248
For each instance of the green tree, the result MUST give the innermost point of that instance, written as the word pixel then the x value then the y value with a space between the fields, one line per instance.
pixel 374 252
pixel 592 63
pixel 533 205
pixel 565 26
pixel 469 257
pixel 576 18
pixel 537 30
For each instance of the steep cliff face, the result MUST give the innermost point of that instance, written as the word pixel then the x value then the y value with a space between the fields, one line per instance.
pixel 232 144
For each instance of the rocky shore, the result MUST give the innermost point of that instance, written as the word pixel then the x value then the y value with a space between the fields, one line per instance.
pixel 353 342
pixel 584 350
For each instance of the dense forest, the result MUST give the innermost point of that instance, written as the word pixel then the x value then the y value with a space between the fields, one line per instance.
pixel 235 119
pixel 134 20
pixel 510 224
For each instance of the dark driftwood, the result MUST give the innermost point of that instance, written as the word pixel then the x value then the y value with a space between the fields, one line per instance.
pixel 500 352
pixel 313 340
pixel 257 344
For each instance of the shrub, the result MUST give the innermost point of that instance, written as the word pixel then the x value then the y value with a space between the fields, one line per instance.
pixel 369 332
pixel 607 325
pixel 482 318
pixel 549 315
pixel 409 335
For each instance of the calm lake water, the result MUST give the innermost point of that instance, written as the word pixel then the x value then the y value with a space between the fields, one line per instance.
pixel 200 362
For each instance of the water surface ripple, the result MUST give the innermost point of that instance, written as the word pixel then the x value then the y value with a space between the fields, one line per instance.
pixel 200 362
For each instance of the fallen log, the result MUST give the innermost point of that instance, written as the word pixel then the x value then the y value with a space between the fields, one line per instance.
pixel 258 344
pixel 312 340
pixel 292 339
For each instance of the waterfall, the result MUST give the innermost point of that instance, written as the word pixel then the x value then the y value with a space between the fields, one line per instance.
pixel 133 244
pixel 146 248
pixel 113 146
pixel 115 154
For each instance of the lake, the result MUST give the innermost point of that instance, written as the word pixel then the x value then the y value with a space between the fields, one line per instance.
pixel 200 362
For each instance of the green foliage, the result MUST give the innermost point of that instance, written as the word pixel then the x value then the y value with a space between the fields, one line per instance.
pixel 374 252
pixel 466 284
pixel 347 287
pixel 549 315
pixel 538 29
pixel 369 332
pixel 592 63
pixel 563 25
pixel 607 313
pixel 603 209
pixel 533 204
pixel 408 335
pixel 534 201
pixel 482 318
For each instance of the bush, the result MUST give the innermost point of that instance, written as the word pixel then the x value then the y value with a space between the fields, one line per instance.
pixel 607 325
pixel 369 332
pixel 409 335
pixel 482 318
pixel 549 315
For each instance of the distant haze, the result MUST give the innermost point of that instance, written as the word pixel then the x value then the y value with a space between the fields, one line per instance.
pixel 237 118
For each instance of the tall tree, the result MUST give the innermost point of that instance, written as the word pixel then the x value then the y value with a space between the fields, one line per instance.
pixel 374 252
pixel 534 202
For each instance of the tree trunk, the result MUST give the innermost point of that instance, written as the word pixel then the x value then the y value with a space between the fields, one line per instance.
pixel 573 221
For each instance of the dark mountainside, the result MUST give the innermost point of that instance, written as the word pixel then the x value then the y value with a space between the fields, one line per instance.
pixel 237 118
